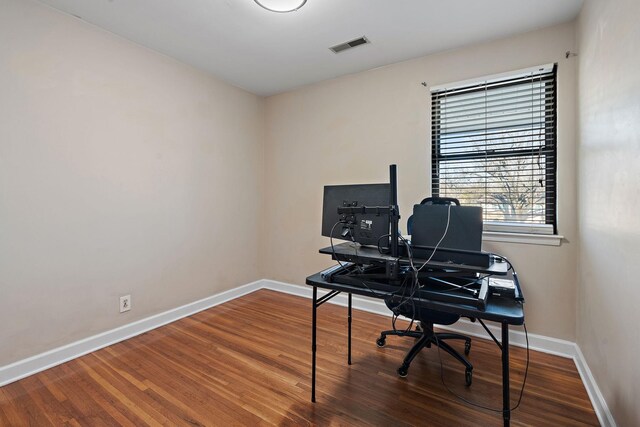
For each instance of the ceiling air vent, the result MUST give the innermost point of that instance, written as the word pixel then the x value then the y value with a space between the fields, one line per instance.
pixel 348 45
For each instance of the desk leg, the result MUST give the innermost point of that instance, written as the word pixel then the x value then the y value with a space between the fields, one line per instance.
pixel 506 405
pixel 313 345
pixel 349 321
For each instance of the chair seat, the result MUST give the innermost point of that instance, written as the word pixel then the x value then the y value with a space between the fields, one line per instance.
pixel 426 335
pixel 396 305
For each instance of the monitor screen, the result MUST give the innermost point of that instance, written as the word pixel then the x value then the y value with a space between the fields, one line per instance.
pixel 464 232
pixel 365 229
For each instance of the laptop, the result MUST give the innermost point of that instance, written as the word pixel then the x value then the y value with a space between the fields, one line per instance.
pixel 464 232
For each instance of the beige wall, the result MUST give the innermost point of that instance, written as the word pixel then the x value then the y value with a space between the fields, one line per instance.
pixel 348 130
pixel 609 200
pixel 122 171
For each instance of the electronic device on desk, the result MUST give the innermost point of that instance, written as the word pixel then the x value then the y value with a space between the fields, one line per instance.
pixel 470 291
pixel 449 234
pixel 363 213
pixel 341 268
pixel 361 225
pixel 502 287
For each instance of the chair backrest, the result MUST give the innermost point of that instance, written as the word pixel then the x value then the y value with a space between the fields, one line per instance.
pixel 440 201
pixel 432 201
pixel 427 315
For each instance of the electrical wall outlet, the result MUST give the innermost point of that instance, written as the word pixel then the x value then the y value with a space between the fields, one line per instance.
pixel 125 303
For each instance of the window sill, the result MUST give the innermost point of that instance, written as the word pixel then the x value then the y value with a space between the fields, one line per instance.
pixel 531 239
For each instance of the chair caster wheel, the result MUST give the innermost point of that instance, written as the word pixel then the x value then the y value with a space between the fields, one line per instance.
pixel 468 377
pixel 467 347
pixel 403 371
pixel 380 342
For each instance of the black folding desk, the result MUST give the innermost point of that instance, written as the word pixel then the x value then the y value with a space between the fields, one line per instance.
pixel 502 310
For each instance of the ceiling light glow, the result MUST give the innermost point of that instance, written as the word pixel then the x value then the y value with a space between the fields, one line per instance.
pixel 281 6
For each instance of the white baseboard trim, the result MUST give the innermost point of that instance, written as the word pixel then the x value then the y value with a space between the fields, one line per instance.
pixel 40 362
pixel 370 305
pixel 32 365
pixel 605 417
pixel 517 338
pixel 541 343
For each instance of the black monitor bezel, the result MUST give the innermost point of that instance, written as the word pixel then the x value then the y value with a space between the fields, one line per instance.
pixel 357 196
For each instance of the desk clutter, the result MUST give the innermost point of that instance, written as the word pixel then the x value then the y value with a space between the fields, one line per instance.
pixel 473 291
pixel 437 277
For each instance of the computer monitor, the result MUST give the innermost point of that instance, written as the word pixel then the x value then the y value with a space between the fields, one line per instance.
pixel 364 228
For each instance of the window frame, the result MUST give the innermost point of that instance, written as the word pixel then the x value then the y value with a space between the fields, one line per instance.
pixel 514 78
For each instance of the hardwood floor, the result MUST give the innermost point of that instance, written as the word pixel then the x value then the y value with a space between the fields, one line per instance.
pixel 248 362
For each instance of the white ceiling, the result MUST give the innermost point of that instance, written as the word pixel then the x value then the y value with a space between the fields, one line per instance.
pixel 268 53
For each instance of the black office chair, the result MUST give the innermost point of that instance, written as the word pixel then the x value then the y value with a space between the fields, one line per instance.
pixel 427 318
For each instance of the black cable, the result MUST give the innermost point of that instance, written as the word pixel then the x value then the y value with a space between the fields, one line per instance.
pixel 383 251
pixel 446 230
pixel 413 288
pixel 453 287
pixel 509 265
pixel 333 251
pixel 395 315
pixel 408 246
pixel 524 380
pixel 526 369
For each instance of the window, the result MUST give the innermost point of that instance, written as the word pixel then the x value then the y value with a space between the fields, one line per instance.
pixel 494 145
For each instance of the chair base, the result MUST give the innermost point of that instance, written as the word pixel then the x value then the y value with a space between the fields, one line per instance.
pixel 426 338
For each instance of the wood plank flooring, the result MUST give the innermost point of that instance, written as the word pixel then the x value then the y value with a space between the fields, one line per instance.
pixel 248 362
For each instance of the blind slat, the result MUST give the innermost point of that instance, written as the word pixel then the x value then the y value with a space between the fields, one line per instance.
pixel 481 101
pixel 531 147
pixel 484 138
pixel 494 85
pixel 494 124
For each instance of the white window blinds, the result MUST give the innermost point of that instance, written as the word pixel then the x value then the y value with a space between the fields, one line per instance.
pixel 494 145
